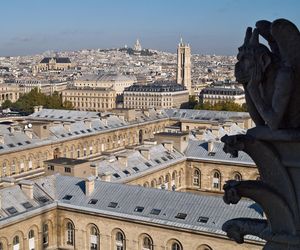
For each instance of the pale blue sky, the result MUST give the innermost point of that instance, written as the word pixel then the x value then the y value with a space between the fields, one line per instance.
pixel 210 26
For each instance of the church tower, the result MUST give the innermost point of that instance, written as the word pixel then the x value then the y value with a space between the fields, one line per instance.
pixel 184 65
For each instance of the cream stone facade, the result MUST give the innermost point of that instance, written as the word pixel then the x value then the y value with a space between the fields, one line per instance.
pixel 157 95
pixel 115 81
pixel 56 221
pixel 214 95
pixel 9 92
pixel 53 64
pixel 90 98
pixel 44 86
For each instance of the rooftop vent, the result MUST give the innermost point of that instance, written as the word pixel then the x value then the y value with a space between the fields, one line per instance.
pixel 113 204
pixel 181 216
pixel 139 209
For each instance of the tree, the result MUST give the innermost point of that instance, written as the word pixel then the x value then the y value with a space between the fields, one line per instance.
pixel 222 106
pixel 7 104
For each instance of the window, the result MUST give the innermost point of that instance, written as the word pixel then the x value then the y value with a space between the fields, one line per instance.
pixel 120 241
pixel 31 240
pixel 116 175
pixel 155 211
pixel 27 205
pixel 11 210
pixel 93 201
pixel 196 178
pixel 1 246
pixel 16 243
pixel 139 209
pixel 237 177
pixel 113 204
pixel 135 169
pixel 203 219
pixel 94 238
pixel 70 234
pixel 51 167
pixel 147 243
pixel 216 180
pixel 67 170
pixel 45 235
pixel 176 246
pixel 181 216
pixel 67 197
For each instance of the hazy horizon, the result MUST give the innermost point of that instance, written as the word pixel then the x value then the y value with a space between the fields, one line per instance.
pixel 210 27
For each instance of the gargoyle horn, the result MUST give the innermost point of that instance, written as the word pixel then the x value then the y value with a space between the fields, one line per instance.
pixel 254 38
pixel 247 36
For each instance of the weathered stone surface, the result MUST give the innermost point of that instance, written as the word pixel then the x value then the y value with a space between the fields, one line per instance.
pixel 271 79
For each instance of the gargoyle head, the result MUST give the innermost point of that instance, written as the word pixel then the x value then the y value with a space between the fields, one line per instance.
pixel 253 58
pixel 231 195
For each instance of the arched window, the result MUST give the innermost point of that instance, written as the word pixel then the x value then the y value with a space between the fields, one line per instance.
pixel 196 178
pixel 204 247
pixel 176 246
pixel 237 177
pixel 94 238
pixel 153 183
pixel 16 243
pixel 216 180
pixel 31 240
pixel 120 241
pixel 1 246
pixel 147 243
pixel 45 235
pixel 70 233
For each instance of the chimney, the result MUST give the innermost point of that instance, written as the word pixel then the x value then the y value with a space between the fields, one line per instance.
pixel 94 170
pixel 89 185
pixel 106 177
pixel 28 132
pixel 27 187
pixel 145 153
pixel 123 159
pixel 210 146
pixel 104 120
pixel 1 139
pixel 67 126
pixel 88 123
pixel 168 145
pixel 36 109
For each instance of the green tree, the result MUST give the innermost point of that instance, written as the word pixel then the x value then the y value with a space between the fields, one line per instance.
pixel 7 104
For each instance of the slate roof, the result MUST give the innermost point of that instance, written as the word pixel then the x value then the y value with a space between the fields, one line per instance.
pixel 205 115
pixel 128 197
pixel 156 87
pixel 137 164
pixel 57 59
pixel 199 150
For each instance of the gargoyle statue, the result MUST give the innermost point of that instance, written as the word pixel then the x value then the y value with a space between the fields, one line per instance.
pixel 271 79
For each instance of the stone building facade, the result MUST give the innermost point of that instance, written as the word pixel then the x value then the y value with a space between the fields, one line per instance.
pixel 53 64
pixel 71 213
pixel 156 95
pixel 90 98
pixel 214 95
pixel 9 92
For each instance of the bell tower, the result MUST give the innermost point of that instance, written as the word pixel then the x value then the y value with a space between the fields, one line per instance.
pixel 184 65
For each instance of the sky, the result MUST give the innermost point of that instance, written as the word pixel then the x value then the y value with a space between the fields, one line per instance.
pixel 209 26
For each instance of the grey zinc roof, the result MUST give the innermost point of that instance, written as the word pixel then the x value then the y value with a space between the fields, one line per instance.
pixel 199 150
pixel 205 115
pixel 53 189
pixel 170 203
pixel 137 164
pixel 59 114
